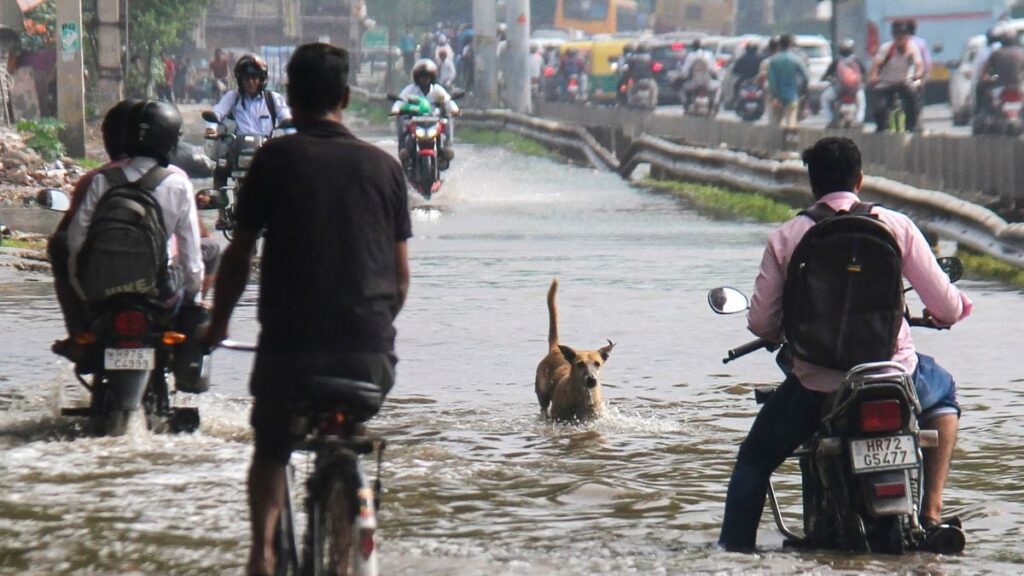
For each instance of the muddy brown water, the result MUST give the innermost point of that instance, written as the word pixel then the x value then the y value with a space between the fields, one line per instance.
pixel 475 482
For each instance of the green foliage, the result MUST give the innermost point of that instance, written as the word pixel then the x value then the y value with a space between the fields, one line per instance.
pixel 983 266
pixel 514 142
pixel 373 113
pixel 89 163
pixel 726 202
pixel 156 25
pixel 44 137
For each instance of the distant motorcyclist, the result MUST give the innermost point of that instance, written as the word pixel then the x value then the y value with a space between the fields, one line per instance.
pixel 845 76
pixel 636 68
pixel 1004 69
pixel 898 69
pixel 745 67
pixel 698 71
pixel 993 41
pixel 419 99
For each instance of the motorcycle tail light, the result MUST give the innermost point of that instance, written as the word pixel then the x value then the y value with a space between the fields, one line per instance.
pixel 173 338
pixel 549 71
pixel 1011 95
pixel 890 490
pixel 678 46
pixel 130 323
pixel 848 99
pixel 881 416
pixel 657 67
pixel 333 425
pixel 366 543
pixel 720 63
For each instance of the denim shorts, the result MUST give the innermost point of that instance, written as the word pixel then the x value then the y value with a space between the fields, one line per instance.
pixel 935 389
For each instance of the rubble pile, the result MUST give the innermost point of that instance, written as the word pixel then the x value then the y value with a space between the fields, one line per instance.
pixel 23 171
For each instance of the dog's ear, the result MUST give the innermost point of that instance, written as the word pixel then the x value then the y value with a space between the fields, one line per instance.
pixel 606 351
pixel 567 352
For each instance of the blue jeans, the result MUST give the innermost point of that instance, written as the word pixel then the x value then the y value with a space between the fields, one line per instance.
pixel 789 418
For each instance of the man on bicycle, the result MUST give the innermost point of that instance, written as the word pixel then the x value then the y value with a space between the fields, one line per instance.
pixel 334 270
pixel 898 69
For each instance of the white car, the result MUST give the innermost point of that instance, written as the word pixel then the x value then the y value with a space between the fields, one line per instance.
pixel 961 81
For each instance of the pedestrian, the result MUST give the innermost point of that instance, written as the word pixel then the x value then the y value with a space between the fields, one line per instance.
pixel 787 80
pixel 407 45
pixel 335 273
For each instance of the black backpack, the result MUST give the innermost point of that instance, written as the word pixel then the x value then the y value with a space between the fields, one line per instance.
pixel 125 249
pixel 842 303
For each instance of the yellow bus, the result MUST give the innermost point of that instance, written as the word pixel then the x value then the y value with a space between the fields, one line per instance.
pixel 597 16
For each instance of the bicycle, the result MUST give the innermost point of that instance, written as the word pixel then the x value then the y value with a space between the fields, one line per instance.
pixel 341 505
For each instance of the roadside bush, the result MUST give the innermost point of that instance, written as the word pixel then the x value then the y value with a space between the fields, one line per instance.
pixel 44 137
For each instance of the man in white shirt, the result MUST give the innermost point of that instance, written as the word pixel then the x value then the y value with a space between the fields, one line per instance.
pixel 419 99
pixel 147 150
pixel 898 68
pixel 255 109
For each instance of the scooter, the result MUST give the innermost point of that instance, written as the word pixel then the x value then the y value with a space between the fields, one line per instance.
pixel 133 345
pixel 863 471
pixel 1002 113
pixel 750 101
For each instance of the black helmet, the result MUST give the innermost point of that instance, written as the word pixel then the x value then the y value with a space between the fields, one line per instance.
pixel 251 66
pixel 115 125
pixel 424 67
pixel 846 47
pixel 900 28
pixel 153 131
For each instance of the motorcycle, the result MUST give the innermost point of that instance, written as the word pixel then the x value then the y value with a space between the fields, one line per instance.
pixel 642 93
pixel 862 472
pixel 750 101
pixel 133 345
pixel 1002 113
pixel 844 110
pixel 234 154
pixel 425 156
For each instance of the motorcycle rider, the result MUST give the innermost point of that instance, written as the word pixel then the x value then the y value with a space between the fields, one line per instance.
pixel 745 68
pixel 427 94
pixel 791 414
pixel 255 109
pixel 898 69
pixel 637 68
pixel 1004 69
pixel 152 134
pixel 849 65
pixel 698 71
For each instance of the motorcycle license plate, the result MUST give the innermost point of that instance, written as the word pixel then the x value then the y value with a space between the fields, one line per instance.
pixel 886 453
pixel 751 106
pixel 129 359
pixel 1013 106
pixel 848 109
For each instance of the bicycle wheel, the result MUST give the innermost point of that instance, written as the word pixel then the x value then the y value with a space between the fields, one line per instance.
pixel 336 542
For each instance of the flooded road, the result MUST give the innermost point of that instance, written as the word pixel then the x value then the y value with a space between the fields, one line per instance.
pixel 475 482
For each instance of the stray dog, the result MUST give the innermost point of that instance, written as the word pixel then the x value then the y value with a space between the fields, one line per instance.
pixel 568 383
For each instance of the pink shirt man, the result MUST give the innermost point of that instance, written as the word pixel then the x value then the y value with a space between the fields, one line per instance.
pixel 944 301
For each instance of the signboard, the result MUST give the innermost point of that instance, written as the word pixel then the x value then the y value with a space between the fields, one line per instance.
pixel 376 38
pixel 70 37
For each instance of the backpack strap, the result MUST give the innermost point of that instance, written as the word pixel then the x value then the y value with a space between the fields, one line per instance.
pixel 862 208
pixel 231 109
pixel 115 177
pixel 151 179
pixel 818 212
pixel 268 96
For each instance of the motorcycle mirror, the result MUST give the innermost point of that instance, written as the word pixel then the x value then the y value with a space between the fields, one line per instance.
pixel 210 116
pixel 391 96
pixel 458 93
pixel 54 199
pixel 953 267
pixel 211 199
pixel 727 300
pixel 286 124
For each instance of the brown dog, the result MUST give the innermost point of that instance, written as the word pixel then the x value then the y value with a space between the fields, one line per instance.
pixel 568 381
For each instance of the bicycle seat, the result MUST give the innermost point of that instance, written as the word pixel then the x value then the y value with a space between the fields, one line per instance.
pixel 360 400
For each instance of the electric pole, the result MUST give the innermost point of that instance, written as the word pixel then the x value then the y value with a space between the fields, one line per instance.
pixel 70 76
pixel 517 55
pixel 485 52
pixel 109 86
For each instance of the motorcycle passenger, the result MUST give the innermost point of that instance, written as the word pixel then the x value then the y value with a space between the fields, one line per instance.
pixel 255 109
pixel 151 137
pixel 791 414
pixel 698 71
pixel 787 81
pixel 427 94
pixel 1004 69
pixel 329 293
pixel 898 69
pixel 845 76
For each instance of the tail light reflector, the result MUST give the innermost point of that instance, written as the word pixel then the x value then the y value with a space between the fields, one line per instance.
pixel 173 338
pixel 657 67
pixel 891 490
pixel 881 416
pixel 130 323
pixel 678 46
pixel 366 543
pixel 1011 95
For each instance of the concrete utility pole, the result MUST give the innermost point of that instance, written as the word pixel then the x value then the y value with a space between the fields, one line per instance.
pixel 109 87
pixel 70 76
pixel 517 55
pixel 485 52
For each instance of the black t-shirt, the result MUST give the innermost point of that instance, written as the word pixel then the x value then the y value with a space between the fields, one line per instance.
pixel 332 208
pixel 1008 64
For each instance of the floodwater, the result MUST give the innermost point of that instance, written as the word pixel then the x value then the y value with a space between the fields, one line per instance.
pixel 475 482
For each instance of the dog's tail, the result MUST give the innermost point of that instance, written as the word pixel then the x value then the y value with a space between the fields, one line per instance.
pixel 552 316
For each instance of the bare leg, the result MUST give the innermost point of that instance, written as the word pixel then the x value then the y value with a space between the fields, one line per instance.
pixel 266 499
pixel 936 465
